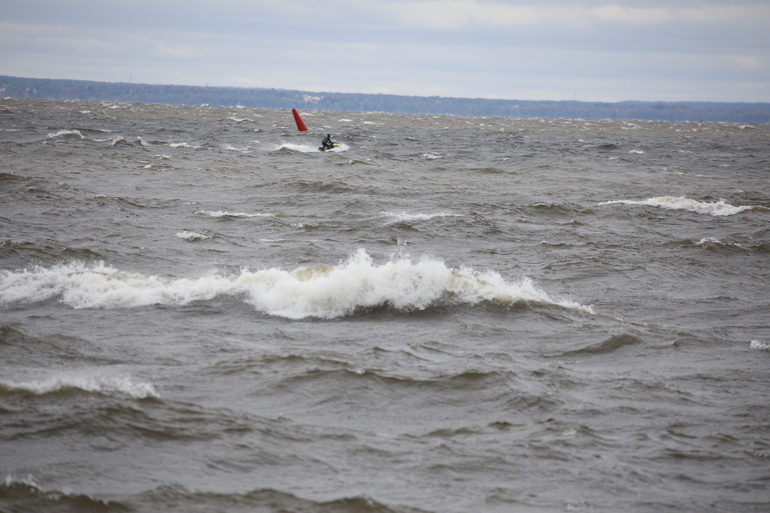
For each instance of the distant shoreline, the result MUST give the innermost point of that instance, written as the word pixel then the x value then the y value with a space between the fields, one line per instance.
pixel 61 89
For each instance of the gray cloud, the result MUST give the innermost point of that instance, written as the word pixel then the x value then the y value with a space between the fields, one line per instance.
pixel 599 51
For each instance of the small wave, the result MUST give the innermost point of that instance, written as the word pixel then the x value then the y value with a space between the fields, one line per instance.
pixel 119 140
pixel 405 217
pixel 220 213
pixel 761 346
pixel 612 344
pixel 719 208
pixel 183 145
pixel 302 148
pixel 230 147
pixel 92 382
pixel 24 494
pixel 716 244
pixel 260 500
pixel 192 236
pixel 328 292
pixel 74 134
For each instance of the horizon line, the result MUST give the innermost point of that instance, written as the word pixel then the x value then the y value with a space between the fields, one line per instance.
pixel 130 82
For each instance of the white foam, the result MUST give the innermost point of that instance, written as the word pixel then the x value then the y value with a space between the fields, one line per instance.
pixel 192 236
pixel 296 147
pixel 220 213
pixel 719 208
pixel 406 217
pixel 67 133
pixel 322 291
pixel 94 381
pixel 183 145
pixel 230 147
pixel 756 344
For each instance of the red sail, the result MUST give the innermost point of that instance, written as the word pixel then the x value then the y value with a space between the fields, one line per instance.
pixel 300 124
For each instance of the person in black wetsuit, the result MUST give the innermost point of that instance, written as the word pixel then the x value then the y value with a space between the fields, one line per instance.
pixel 327 142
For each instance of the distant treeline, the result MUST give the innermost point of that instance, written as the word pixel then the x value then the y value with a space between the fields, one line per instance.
pixel 56 89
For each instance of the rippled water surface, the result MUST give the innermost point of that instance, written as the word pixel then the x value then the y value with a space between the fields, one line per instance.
pixel 199 311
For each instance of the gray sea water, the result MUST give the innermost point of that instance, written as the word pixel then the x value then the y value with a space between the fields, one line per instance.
pixel 199 311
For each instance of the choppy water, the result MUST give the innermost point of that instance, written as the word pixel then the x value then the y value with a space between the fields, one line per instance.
pixel 201 312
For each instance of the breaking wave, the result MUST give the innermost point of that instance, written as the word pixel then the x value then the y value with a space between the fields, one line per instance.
pixel 719 208
pixel 323 291
pixel 192 236
pixel 88 381
pixel 73 134
pixel 405 217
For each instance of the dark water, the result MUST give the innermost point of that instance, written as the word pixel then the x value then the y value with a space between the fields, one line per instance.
pixel 201 312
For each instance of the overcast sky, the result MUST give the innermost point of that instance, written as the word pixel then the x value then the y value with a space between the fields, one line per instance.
pixel 603 50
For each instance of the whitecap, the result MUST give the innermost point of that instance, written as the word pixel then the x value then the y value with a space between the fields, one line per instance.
pixel 405 217
pixel 192 236
pixel 220 213
pixel 761 346
pixel 230 147
pixel 326 292
pixel 67 133
pixel 719 208
pixel 296 147
pixel 93 381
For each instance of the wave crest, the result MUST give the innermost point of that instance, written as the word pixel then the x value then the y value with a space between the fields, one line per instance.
pixel 73 134
pixel 720 208
pixel 91 382
pixel 321 291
